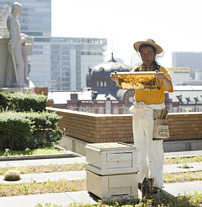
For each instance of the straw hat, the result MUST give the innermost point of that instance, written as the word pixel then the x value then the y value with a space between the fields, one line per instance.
pixel 148 42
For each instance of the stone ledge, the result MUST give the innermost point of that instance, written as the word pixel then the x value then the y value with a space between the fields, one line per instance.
pixel 78 146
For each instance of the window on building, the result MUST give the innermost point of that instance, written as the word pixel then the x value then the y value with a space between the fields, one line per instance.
pixel 81 109
pixel 126 110
pixel 71 108
pixel 101 110
pixel 105 83
pixel 115 110
pixel 88 109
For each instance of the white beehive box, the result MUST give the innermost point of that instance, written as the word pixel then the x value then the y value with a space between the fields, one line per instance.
pixel 110 187
pixel 111 158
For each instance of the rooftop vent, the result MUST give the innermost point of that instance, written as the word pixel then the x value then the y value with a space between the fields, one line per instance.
pixel 188 99
pixel 196 99
pixel 180 98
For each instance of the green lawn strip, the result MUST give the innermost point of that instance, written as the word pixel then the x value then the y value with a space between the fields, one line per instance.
pixel 180 160
pixel 27 188
pixel 64 185
pixel 161 200
pixel 178 177
pixel 44 151
pixel 45 168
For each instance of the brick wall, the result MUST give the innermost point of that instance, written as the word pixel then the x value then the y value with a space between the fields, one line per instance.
pixel 41 90
pixel 118 128
pixel 185 125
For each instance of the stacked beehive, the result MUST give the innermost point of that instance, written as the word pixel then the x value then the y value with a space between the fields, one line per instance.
pixel 111 170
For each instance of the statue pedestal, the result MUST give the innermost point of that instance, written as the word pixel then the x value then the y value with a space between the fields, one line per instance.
pixel 3 60
pixel 4 54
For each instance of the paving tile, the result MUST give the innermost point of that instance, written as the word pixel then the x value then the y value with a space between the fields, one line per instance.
pixel 42 162
pixel 176 167
pixel 41 177
pixel 32 200
pixel 182 154
pixel 69 175
pixel 83 197
pixel 183 188
pixel 67 198
pixel 24 178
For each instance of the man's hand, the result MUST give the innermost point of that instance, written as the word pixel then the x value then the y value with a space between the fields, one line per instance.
pixel 160 75
pixel 163 79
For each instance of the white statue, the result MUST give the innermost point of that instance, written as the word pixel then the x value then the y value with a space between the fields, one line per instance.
pixel 16 65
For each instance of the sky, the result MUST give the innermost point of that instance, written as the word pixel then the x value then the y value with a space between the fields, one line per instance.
pixel 176 25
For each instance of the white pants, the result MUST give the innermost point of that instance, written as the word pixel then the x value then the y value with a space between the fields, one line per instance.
pixel 150 154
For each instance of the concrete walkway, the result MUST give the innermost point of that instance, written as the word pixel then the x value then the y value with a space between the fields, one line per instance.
pixel 78 175
pixel 66 198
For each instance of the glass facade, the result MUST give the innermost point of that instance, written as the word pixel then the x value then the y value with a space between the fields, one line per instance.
pixel 40 62
pixel 56 62
pixel 71 58
pixel 35 19
pixel 193 60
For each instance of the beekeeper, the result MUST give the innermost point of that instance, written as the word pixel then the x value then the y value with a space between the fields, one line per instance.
pixel 149 103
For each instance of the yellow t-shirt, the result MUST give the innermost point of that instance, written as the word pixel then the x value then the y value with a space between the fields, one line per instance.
pixel 154 96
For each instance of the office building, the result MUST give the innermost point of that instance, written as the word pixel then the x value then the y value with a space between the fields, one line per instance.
pixel 101 96
pixel 71 58
pixel 40 62
pixel 193 60
pixel 35 19
pixel 59 63
pixel 179 75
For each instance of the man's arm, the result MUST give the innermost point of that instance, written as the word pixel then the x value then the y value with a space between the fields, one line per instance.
pixel 166 82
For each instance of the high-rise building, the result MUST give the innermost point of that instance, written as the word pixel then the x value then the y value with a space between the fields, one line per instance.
pixel 35 19
pixel 193 60
pixel 41 62
pixel 179 75
pixel 71 58
pixel 59 63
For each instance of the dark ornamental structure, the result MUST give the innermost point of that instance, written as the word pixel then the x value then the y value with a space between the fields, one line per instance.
pixel 102 95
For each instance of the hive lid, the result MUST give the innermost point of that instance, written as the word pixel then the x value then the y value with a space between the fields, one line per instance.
pixel 111 146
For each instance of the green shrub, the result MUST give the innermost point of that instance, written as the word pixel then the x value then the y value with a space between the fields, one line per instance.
pixel 15 130
pixel 20 102
pixel 29 130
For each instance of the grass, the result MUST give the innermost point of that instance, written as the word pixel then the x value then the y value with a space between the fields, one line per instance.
pixel 180 160
pixel 161 200
pixel 45 168
pixel 79 166
pixel 64 185
pixel 44 151
pixel 182 177
pixel 33 187
pixel 52 150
